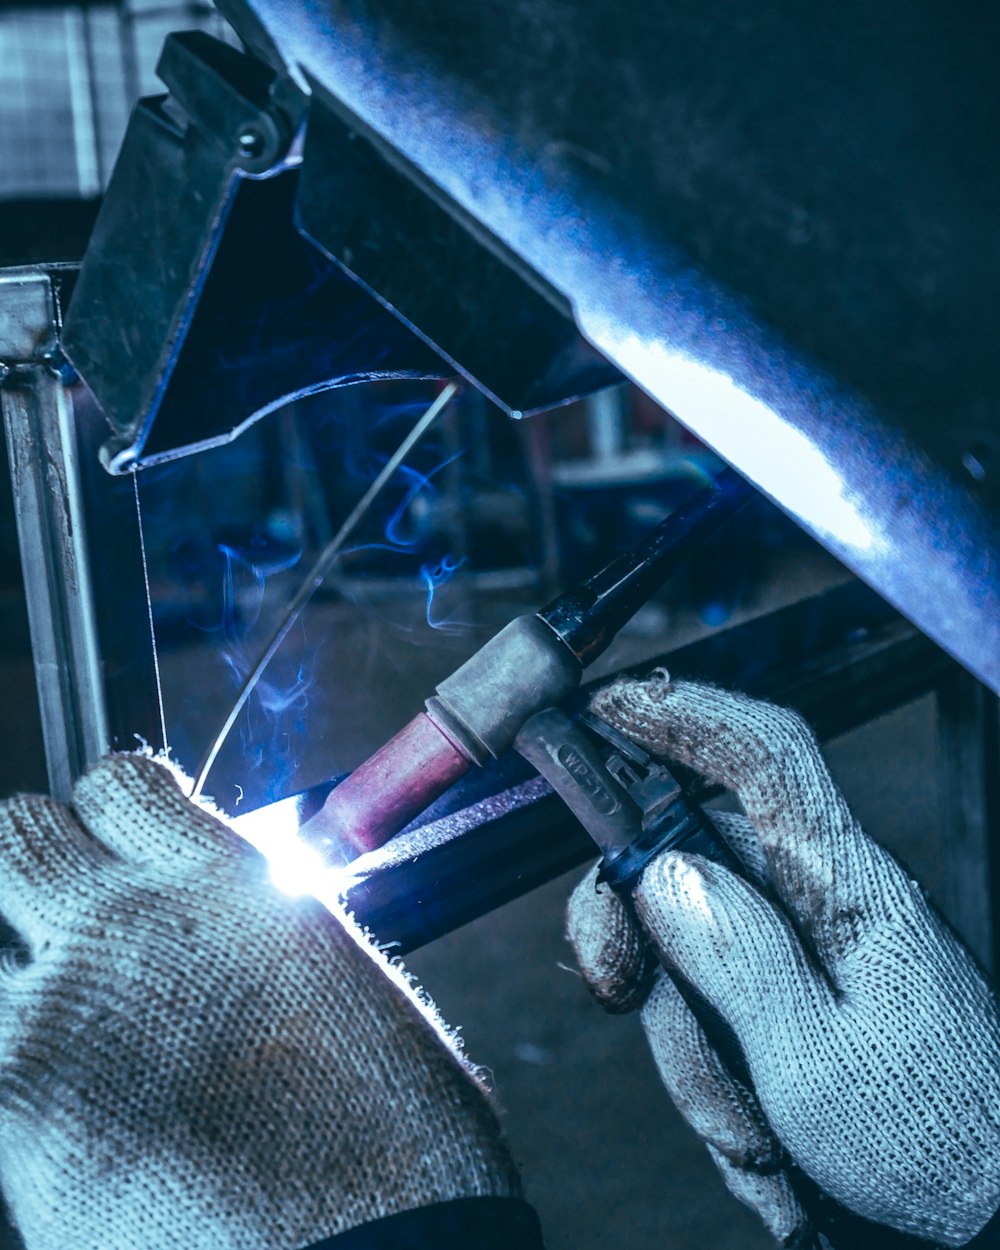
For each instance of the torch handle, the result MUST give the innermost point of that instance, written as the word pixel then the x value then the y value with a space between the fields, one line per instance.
pixel 588 617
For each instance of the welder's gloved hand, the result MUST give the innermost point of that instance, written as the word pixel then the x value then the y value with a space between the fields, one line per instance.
pixel 871 1039
pixel 190 1060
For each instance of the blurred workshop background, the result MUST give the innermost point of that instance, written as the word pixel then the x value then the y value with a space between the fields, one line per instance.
pixel 490 519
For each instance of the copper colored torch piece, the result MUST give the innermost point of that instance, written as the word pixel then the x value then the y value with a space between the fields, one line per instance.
pixel 387 791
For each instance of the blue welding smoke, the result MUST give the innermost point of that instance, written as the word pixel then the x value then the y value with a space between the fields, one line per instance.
pixel 420 486
pixel 434 577
pixel 405 532
pixel 283 699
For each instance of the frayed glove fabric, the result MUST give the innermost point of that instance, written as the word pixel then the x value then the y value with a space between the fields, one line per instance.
pixel 190 1060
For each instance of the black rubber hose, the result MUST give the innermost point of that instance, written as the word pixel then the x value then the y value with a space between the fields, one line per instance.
pixel 588 617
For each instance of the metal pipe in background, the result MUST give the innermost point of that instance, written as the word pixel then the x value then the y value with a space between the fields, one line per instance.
pixel 51 529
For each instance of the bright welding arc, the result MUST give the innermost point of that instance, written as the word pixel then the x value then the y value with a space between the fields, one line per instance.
pixel 318 572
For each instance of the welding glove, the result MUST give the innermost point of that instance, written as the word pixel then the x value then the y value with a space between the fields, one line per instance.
pixel 869 1036
pixel 190 1060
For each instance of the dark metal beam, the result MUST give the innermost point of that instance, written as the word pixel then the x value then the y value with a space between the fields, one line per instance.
pixel 970 780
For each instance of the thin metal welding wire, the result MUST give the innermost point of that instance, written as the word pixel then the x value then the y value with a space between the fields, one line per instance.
pixel 318 572
pixel 165 745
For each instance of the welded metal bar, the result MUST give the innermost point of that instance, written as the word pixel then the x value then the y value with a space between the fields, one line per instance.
pixel 970 792
pixel 842 659
pixel 49 508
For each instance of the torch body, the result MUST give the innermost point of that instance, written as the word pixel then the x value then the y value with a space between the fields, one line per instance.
pixel 474 716
pixel 531 664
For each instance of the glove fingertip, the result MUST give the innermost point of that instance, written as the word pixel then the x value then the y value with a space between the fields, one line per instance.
pixel 138 807
pixel 632 704
pixel 771 1197
pixel 615 958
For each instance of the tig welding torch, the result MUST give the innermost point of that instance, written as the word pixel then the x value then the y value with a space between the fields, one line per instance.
pixel 532 663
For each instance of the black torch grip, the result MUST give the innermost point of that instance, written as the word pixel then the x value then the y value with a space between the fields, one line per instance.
pixel 700 837
pixel 588 617
pixel 681 826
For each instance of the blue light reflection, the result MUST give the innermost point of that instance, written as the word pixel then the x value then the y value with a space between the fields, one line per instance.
pixel 762 444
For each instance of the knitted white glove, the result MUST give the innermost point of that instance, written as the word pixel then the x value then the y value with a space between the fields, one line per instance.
pixel 871 1038
pixel 190 1060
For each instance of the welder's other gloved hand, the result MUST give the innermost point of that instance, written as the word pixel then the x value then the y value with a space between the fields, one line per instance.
pixel 190 1060
pixel 871 1038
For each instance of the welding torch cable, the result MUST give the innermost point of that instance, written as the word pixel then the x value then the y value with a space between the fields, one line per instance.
pixel 314 579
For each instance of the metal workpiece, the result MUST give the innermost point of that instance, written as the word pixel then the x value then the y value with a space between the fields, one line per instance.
pixel 484 703
pixel 49 508
pixel 779 221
